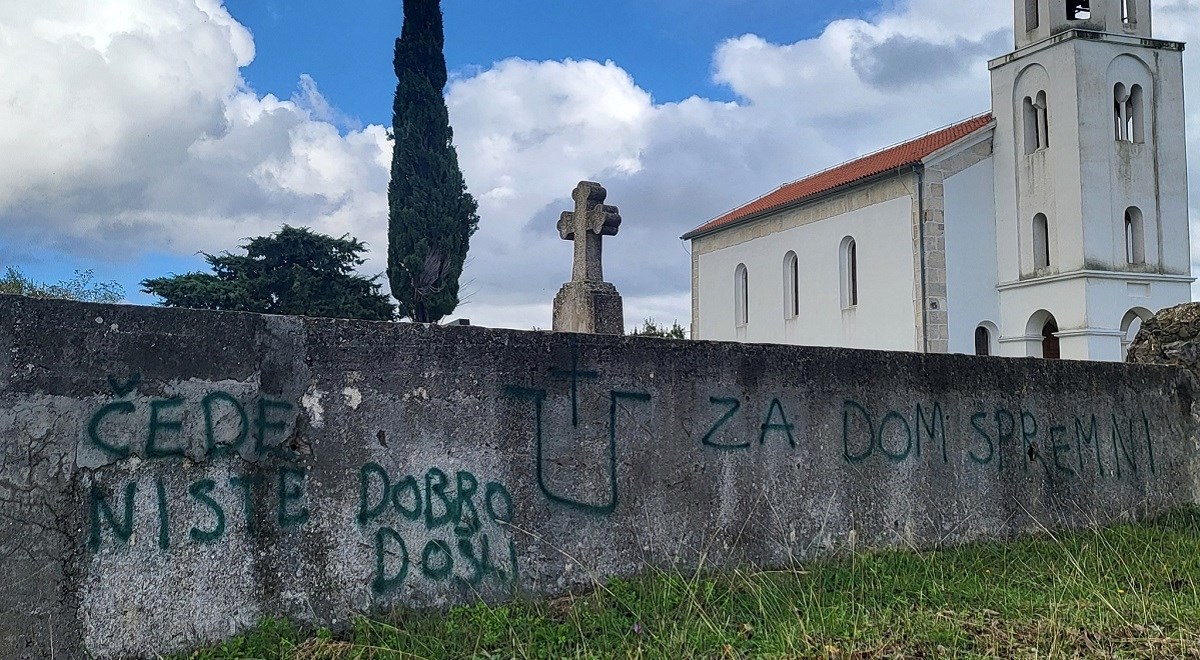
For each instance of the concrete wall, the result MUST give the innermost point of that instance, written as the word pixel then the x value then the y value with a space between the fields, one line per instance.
pixel 169 477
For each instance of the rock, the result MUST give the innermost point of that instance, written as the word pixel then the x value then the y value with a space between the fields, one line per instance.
pixel 1171 337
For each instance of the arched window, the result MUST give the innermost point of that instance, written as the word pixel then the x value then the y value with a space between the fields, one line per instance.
pixel 1130 326
pixel 741 295
pixel 983 341
pixel 1136 123
pixel 1135 236
pixel 849 274
pixel 1036 123
pixel 791 282
pixel 1050 347
pixel 1120 111
pixel 1031 15
pixel 1079 10
pixel 1043 120
pixel 1127 113
pixel 1041 241
pixel 1029 121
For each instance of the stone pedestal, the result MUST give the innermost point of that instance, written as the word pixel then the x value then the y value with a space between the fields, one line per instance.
pixel 590 308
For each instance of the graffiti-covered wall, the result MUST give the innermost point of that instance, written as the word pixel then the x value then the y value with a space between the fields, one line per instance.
pixel 170 477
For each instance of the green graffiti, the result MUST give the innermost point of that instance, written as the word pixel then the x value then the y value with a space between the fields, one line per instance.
pixel 769 425
pixel 443 566
pixel 121 389
pixel 265 424
pixel 366 474
pixel 1119 441
pixel 435 486
pixel 1002 435
pixel 384 582
pixel 493 491
pixel 201 492
pixel 213 446
pixel 466 523
pixel 157 425
pixel 991 448
pixel 1089 436
pixel 734 405
pixel 574 374
pixel 291 489
pixel 164 521
pixel 120 407
pixel 616 398
pixel 448 504
pixel 247 485
pixel 411 487
pixel 853 457
pixel 479 564
pixel 896 457
pixel 100 509
pixel 936 422
pixel 1057 449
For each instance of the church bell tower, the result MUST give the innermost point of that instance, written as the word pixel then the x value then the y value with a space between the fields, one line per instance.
pixel 1090 178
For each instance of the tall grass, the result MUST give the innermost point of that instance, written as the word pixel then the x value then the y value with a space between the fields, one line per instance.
pixel 1126 591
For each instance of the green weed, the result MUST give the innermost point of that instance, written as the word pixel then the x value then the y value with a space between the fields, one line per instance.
pixel 1126 591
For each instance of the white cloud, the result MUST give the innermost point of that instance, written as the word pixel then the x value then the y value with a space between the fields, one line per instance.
pixel 126 128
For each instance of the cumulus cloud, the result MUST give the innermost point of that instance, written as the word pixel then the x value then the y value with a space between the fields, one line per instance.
pixel 126 128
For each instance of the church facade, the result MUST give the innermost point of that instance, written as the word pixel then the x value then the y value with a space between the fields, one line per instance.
pixel 1048 227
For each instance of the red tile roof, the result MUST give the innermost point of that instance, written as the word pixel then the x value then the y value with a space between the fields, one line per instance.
pixel 901 155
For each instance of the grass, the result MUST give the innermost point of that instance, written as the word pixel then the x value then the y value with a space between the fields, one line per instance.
pixel 1127 591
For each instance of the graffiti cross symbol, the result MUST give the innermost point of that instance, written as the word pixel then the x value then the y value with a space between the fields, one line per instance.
pixel 537 397
pixel 574 374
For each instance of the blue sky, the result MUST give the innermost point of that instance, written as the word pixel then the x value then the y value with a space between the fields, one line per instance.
pixel 666 45
pixel 137 133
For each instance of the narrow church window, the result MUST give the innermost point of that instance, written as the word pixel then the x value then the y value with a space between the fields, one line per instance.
pixel 1030 124
pixel 792 282
pixel 1135 236
pixel 983 341
pixel 1136 125
pixel 1127 113
pixel 1036 123
pixel 1129 12
pixel 1031 15
pixel 1041 241
pixel 853 274
pixel 1078 10
pixel 1043 121
pixel 741 295
pixel 849 264
pixel 1050 346
pixel 1121 112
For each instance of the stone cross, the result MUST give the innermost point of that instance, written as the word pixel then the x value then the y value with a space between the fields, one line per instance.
pixel 591 220
pixel 587 303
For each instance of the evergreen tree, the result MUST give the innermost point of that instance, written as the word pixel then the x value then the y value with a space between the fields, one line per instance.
pixel 431 216
pixel 293 271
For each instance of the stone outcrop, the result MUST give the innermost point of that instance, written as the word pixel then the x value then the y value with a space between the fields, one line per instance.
pixel 1170 338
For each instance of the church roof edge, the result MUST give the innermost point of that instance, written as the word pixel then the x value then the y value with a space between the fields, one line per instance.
pixel 890 158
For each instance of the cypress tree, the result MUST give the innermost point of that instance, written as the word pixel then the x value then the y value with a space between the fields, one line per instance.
pixel 431 216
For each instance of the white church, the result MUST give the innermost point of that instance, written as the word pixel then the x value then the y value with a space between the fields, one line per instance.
pixel 1049 227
